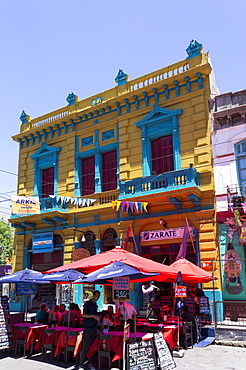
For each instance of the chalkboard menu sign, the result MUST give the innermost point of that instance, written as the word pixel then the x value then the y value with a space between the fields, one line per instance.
pixel 141 356
pixel 204 305
pixel 5 328
pixel 189 301
pixel 166 361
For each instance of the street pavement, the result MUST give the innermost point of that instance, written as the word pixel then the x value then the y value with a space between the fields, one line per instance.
pixel 213 357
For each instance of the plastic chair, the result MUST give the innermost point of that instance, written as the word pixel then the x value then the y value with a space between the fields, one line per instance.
pixel 188 327
pixel 21 341
pixel 69 348
pixel 48 345
pixel 104 348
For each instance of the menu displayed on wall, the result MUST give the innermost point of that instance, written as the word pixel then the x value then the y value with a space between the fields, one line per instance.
pixel 141 356
pixel 189 301
pixel 166 361
pixel 204 305
pixel 5 327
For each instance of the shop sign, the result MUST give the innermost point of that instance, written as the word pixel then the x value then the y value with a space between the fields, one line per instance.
pixel 177 233
pixel 79 254
pixel 26 288
pixel 121 289
pixel 42 243
pixel 180 291
pixel 25 205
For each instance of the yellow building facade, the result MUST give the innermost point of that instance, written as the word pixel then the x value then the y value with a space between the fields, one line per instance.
pixel 137 154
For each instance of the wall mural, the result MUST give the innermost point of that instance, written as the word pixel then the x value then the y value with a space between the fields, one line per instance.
pixel 232 259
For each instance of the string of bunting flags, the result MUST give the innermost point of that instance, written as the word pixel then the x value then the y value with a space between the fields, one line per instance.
pixel 76 201
pixel 231 207
pixel 128 207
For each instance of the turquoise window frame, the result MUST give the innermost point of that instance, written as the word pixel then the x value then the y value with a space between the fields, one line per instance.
pixel 160 122
pixel 240 155
pixel 45 157
pixel 97 153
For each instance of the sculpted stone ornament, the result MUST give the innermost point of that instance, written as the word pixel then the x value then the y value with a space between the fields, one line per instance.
pixel 194 49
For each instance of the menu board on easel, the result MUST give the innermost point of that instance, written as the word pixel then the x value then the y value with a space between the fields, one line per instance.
pixel 6 340
pixel 141 355
pixel 166 361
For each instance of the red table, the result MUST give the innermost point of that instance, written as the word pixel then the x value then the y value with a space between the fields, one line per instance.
pixel 34 335
pixel 60 343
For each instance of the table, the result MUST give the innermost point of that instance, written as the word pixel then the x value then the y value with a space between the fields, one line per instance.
pixel 34 335
pixel 60 340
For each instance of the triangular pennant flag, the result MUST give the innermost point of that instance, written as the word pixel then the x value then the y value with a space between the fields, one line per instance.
pixel 145 204
pixel 230 205
pixel 244 207
pixel 122 206
pixel 127 206
pixel 114 204
pixel 132 207
pixel 118 205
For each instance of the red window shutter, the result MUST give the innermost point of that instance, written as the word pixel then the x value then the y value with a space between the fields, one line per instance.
pixel 162 155
pixel 109 169
pixel 88 176
pixel 47 182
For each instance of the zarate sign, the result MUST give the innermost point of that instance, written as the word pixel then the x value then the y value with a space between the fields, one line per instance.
pixel 177 233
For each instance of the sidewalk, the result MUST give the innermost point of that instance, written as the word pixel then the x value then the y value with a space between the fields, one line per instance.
pixel 212 357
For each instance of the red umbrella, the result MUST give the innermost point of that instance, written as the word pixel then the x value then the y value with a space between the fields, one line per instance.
pixel 93 263
pixel 190 272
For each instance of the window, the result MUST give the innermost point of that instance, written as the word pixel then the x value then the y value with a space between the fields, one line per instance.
pixel 109 168
pixel 241 165
pixel 162 155
pixel 47 182
pixel 88 176
pixel 160 141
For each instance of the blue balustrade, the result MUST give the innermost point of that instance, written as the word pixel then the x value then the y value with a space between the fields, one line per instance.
pixel 173 180
pixel 52 204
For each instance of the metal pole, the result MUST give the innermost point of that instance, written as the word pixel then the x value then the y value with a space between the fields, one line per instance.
pixel 214 298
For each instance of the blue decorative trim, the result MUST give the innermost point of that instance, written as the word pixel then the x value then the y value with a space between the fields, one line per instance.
pixel 38 136
pixel 156 95
pixel 136 101
pixel 127 105
pixel 58 129
pixel 187 79
pixel 87 141
pixel 159 122
pixel 200 80
pixel 96 112
pixel 118 108
pixel 51 132
pixel 45 157
pixel 97 101
pixel 96 121
pixel 121 78
pixel 176 202
pixel 64 127
pixel 177 88
pixel 24 117
pixel 72 98
pixel 20 142
pixel 146 98
pixel 195 200
pixel 32 138
pixel 26 140
pixel 106 135
pixel 194 49
pixel 44 134
pixel 166 91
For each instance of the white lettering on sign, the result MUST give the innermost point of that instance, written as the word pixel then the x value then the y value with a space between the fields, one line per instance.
pixel 176 233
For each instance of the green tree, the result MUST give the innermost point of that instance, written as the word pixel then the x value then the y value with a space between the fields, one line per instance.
pixel 6 241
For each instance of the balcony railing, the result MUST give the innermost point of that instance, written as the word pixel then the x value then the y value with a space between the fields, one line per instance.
pixel 52 204
pixel 173 180
pixel 236 194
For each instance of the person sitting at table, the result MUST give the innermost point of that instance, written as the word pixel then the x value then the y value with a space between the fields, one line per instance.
pixel 42 316
pixel 61 312
pixel 89 323
pixel 126 312
pixel 110 315
pixel 54 316
pixel 72 315
pixel 78 322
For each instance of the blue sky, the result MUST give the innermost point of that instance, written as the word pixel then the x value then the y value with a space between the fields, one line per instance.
pixel 52 47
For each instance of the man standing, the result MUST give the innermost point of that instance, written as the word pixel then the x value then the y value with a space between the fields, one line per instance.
pixel 126 312
pixel 89 323
pixel 152 292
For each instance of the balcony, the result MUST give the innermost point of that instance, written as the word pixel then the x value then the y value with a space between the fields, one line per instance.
pixel 52 204
pixel 166 182
pixel 236 195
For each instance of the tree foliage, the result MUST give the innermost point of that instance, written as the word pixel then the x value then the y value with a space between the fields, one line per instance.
pixel 6 241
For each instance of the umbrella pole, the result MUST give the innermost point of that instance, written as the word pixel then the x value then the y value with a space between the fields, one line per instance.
pixel 26 309
pixel 70 298
pixel 135 327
